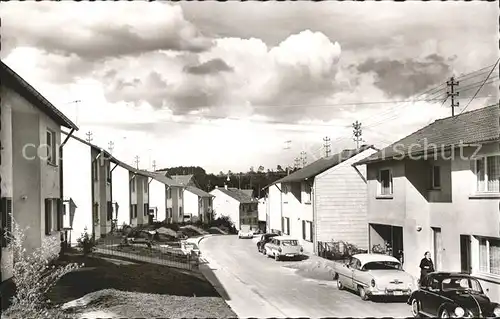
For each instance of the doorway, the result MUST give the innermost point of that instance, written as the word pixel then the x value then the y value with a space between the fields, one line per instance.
pixel 387 239
pixel 465 255
pixel 437 247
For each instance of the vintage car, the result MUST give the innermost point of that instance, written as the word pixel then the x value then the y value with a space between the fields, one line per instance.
pixel 454 295
pixel 190 248
pixel 375 275
pixel 264 239
pixel 245 232
pixel 281 247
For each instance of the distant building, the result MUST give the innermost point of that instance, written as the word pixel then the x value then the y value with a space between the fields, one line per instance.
pixel 237 204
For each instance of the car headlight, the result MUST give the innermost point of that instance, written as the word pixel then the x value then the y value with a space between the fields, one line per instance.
pixel 373 282
pixel 496 311
pixel 459 312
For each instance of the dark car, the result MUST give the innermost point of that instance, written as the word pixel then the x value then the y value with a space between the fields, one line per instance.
pixel 265 238
pixel 452 295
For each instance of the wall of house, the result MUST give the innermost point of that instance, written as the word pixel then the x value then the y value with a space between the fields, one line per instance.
pixel 176 205
pixel 225 205
pixel 262 209
pixel 133 198
pixel 275 207
pixel 104 195
pixel 191 205
pixel 142 198
pixel 6 172
pixel 121 194
pixel 157 198
pixel 249 214
pixel 77 182
pixel 341 203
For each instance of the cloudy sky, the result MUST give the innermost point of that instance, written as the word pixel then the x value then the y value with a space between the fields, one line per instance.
pixel 224 85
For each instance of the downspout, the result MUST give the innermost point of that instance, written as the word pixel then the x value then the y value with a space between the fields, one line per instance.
pixel 61 174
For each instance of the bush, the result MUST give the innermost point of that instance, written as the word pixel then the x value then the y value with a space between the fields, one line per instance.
pixel 34 275
pixel 86 242
pixel 338 250
pixel 224 223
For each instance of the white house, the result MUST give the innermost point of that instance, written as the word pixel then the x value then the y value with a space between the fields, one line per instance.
pixel 324 201
pixel 197 203
pixel 159 186
pixel 236 204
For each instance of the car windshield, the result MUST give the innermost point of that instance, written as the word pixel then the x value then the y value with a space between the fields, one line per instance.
pixel 382 265
pixel 289 243
pixel 462 284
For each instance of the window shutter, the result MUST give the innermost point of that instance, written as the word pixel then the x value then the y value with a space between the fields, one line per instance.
pixel 48 216
pixel 311 231
pixel 131 212
pixel 304 229
pixel 283 224
pixel 288 226
pixel 59 214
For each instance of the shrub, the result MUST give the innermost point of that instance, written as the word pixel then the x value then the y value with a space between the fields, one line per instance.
pixel 225 223
pixel 338 250
pixel 34 275
pixel 86 242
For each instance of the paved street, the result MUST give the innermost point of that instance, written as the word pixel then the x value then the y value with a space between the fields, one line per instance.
pixel 261 287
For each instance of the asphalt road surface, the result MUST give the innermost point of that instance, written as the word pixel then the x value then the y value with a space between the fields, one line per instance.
pixel 261 287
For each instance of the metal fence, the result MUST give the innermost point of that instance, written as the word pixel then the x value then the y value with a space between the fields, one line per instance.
pixel 168 254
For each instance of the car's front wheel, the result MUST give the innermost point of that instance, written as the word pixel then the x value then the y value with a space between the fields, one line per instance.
pixel 415 308
pixel 339 284
pixel 362 293
pixel 444 314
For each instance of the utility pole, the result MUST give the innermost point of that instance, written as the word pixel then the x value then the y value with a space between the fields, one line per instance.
pixel 297 163
pixel 136 161
pixel 154 166
pixel 357 132
pixel 89 136
pixel 111 146
pixel 327 145
pixel 451 93
pixel 303 157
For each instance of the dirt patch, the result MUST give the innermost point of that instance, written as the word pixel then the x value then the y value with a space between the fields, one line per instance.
pixel 133 305
pixel 320 269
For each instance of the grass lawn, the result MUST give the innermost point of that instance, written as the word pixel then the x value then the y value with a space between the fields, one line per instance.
pixel 158 252
pixel 140 290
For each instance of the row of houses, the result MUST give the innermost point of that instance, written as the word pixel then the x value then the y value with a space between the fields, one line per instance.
pixel 435 190
pixel 54 184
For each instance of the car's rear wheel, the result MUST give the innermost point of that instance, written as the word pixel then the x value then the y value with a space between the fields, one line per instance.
pixel 362 293
pixel 415 308
pixel 444 314
pixel 339 284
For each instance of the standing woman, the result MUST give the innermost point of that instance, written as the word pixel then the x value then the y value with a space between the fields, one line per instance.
pixel 426 265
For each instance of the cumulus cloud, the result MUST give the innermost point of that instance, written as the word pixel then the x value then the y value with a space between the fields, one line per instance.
pixel 108 29
pixel 210 67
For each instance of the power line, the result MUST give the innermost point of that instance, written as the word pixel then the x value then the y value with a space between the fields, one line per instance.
pixel 491 71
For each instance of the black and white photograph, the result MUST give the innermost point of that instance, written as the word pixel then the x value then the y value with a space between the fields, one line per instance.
pixel 249 159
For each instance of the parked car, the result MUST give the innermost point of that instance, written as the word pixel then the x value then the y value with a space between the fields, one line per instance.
pixel 264 239
pixel 245 232
pixel 189 248
pixel 281 247
pixel 375 275
pixel 454 295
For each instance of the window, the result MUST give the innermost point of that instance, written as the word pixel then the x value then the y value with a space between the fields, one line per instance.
pixel 307 191
pixel 489 256
pixel 285 188
pixel 51 147
pixel 133 211
pixel 436 177
pixel 6 207
pixel 132 184
pixel 285 225
pixel 385 182
pixel 180 211
pixel 488 174
pixel 109 215
pixel 180 193
pixel 169 193
pixel 307 230
pixel 53 215
pixel 169 212
pixel 146 209
pixel 95 212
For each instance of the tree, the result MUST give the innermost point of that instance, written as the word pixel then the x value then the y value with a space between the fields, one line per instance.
pixel 279 168
pixel 251 169
pixel 261 169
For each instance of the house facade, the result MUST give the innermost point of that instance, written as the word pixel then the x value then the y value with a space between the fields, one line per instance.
pixel 197 204
pixel 323 202
pixel 441 194
pixel 30 166
pixel 236 204
pixel 139 199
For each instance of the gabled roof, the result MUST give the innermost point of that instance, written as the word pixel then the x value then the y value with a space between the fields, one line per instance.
pixel 12 80
pixel 182 179
pixel 238 194
pixel 474 127
pixel 321 165
pixel 198 192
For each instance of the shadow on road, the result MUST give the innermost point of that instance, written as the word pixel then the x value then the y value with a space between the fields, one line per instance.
pixel 381 299
pixel 213 280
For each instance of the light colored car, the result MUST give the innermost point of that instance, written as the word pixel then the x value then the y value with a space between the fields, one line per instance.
pixel 281 247
pixel 189 248
pixel 245 232
pixel 375 275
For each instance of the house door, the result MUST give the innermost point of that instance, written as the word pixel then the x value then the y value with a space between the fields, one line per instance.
pixel 465 255
pixel 437 247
